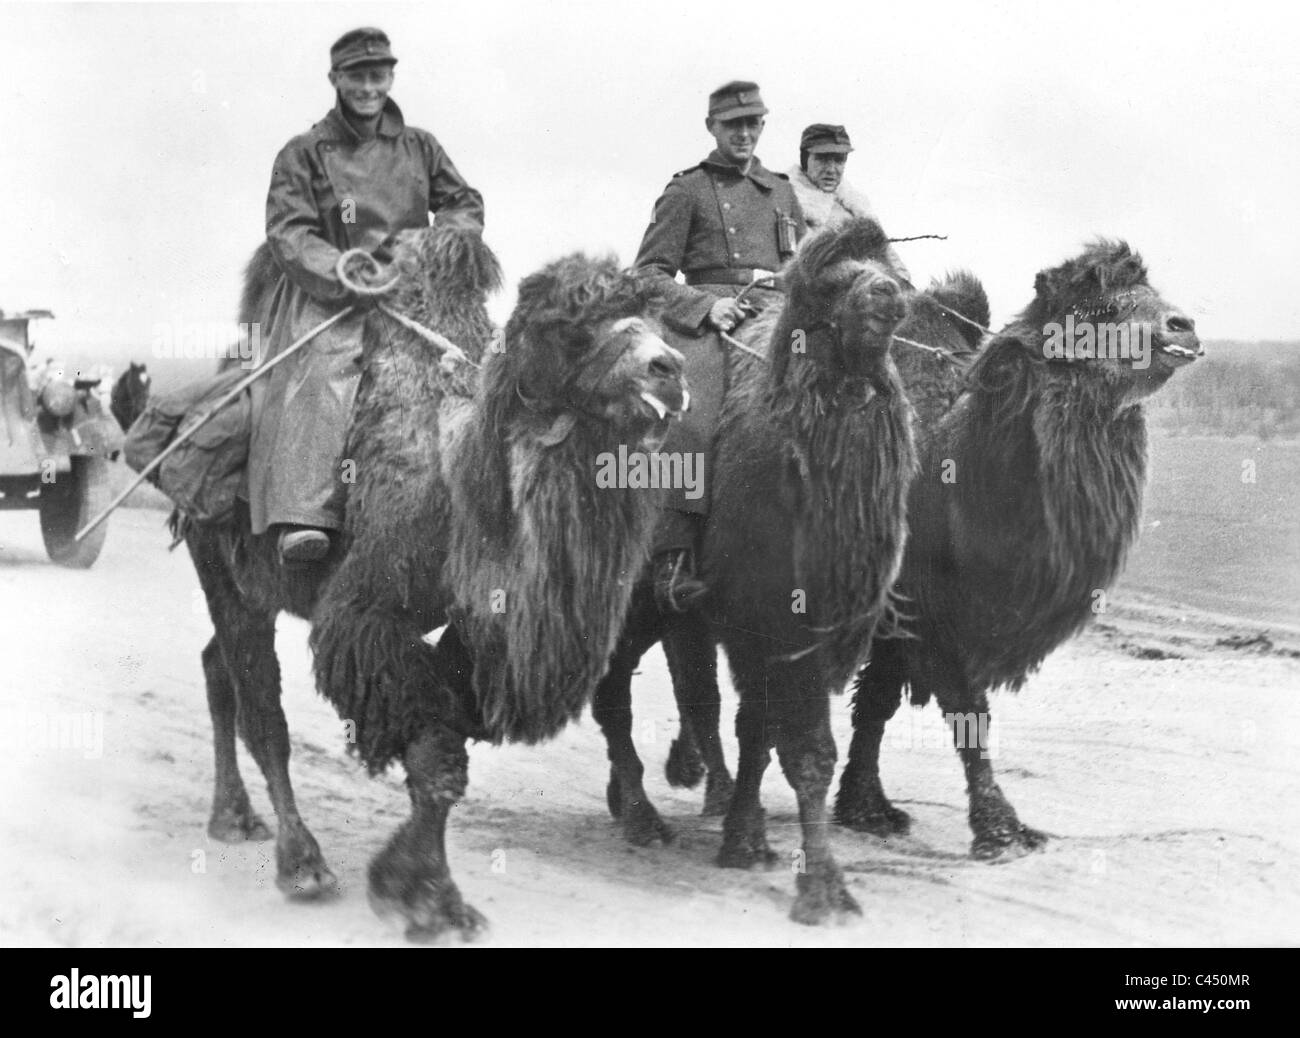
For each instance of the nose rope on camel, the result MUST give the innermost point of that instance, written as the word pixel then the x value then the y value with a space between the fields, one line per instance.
pixel 951 358
pixel 451 353
pixel 731 340
pixel 946 309
pixel 774 281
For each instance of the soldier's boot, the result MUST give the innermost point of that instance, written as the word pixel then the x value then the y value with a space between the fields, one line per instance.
pixel 677 587
pixel 303 544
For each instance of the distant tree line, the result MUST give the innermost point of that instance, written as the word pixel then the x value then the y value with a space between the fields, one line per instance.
pixel 1237 389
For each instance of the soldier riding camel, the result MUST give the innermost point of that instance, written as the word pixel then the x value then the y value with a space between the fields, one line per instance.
pixel 827 199
pixel 353 180
pixel 722 224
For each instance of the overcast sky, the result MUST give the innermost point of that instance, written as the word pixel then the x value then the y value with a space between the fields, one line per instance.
pixel 138 139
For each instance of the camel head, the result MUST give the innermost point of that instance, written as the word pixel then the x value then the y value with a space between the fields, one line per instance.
pixel 842 306
pixel 581 366
pixel 1097 314
pixel 581 347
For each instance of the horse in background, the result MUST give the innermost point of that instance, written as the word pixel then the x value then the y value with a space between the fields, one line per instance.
pixel 130 395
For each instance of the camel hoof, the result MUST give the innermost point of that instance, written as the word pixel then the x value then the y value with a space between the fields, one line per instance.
pixel 469 924
pixel 1001 846
pixel 738 855
pixel 614 796
pixel 643 827
pixel 659 832
pixel 300 869
pixel 717 795
pixel 433 911
pixel 684 768
pixel 884 821
pixel 309 883
pixel 823 897
pixel 234 826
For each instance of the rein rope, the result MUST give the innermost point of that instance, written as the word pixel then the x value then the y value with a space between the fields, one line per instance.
pixel 450 353
pixel 774 280
pixel 961 317
pixel 951 358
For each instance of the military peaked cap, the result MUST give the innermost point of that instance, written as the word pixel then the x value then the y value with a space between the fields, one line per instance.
pixel 361 47
pixel 823 138
pixel 735 100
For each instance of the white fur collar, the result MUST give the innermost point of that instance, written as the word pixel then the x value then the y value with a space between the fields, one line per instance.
pixel 822 207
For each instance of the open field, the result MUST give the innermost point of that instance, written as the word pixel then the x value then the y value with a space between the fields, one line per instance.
pixel 1221 528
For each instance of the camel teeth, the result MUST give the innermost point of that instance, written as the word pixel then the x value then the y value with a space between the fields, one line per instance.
pixel 661 409
pixel 1178 351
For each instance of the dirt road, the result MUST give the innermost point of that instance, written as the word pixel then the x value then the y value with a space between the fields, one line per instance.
pixel 1165 766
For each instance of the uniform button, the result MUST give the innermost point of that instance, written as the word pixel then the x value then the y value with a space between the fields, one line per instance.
pixel 726 205
pixel 732 230
pixel 735 255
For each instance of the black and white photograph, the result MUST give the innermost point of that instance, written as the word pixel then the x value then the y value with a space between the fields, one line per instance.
pixel 688 474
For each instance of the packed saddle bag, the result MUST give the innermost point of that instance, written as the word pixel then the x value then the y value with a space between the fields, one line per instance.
pixel 204 474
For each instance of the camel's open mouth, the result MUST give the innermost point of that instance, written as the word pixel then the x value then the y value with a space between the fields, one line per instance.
pixel 1177 353
pixel 663 411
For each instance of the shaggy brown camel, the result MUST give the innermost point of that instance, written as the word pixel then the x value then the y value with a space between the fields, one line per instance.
pixel 813 458
pixel 540 559
pixel 933 346
pixel 425 438
pixel 1027 503
pixel 246 586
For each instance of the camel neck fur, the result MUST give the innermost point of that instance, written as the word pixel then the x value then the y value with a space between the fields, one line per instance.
pixel 1061 451
pixel 849 459
pixel 569 556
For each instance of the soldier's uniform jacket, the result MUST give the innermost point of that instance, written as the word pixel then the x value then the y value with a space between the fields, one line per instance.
pixel 717 226
pixel 713 217
pixel 332 190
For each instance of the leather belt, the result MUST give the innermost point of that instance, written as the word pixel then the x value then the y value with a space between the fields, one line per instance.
pixel 728 276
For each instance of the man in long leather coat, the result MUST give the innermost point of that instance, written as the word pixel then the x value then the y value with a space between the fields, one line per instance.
pixel 355 178
pixel 720 224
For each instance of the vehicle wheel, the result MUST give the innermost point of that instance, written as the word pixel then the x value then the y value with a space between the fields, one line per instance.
pixel 70 502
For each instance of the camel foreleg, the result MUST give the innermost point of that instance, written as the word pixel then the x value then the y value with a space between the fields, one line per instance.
pixel 744 830
pixel 999 833
pixel 861 803
pixel 806 750
pixel 410 876
pixel 611 706
pixel 693 662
